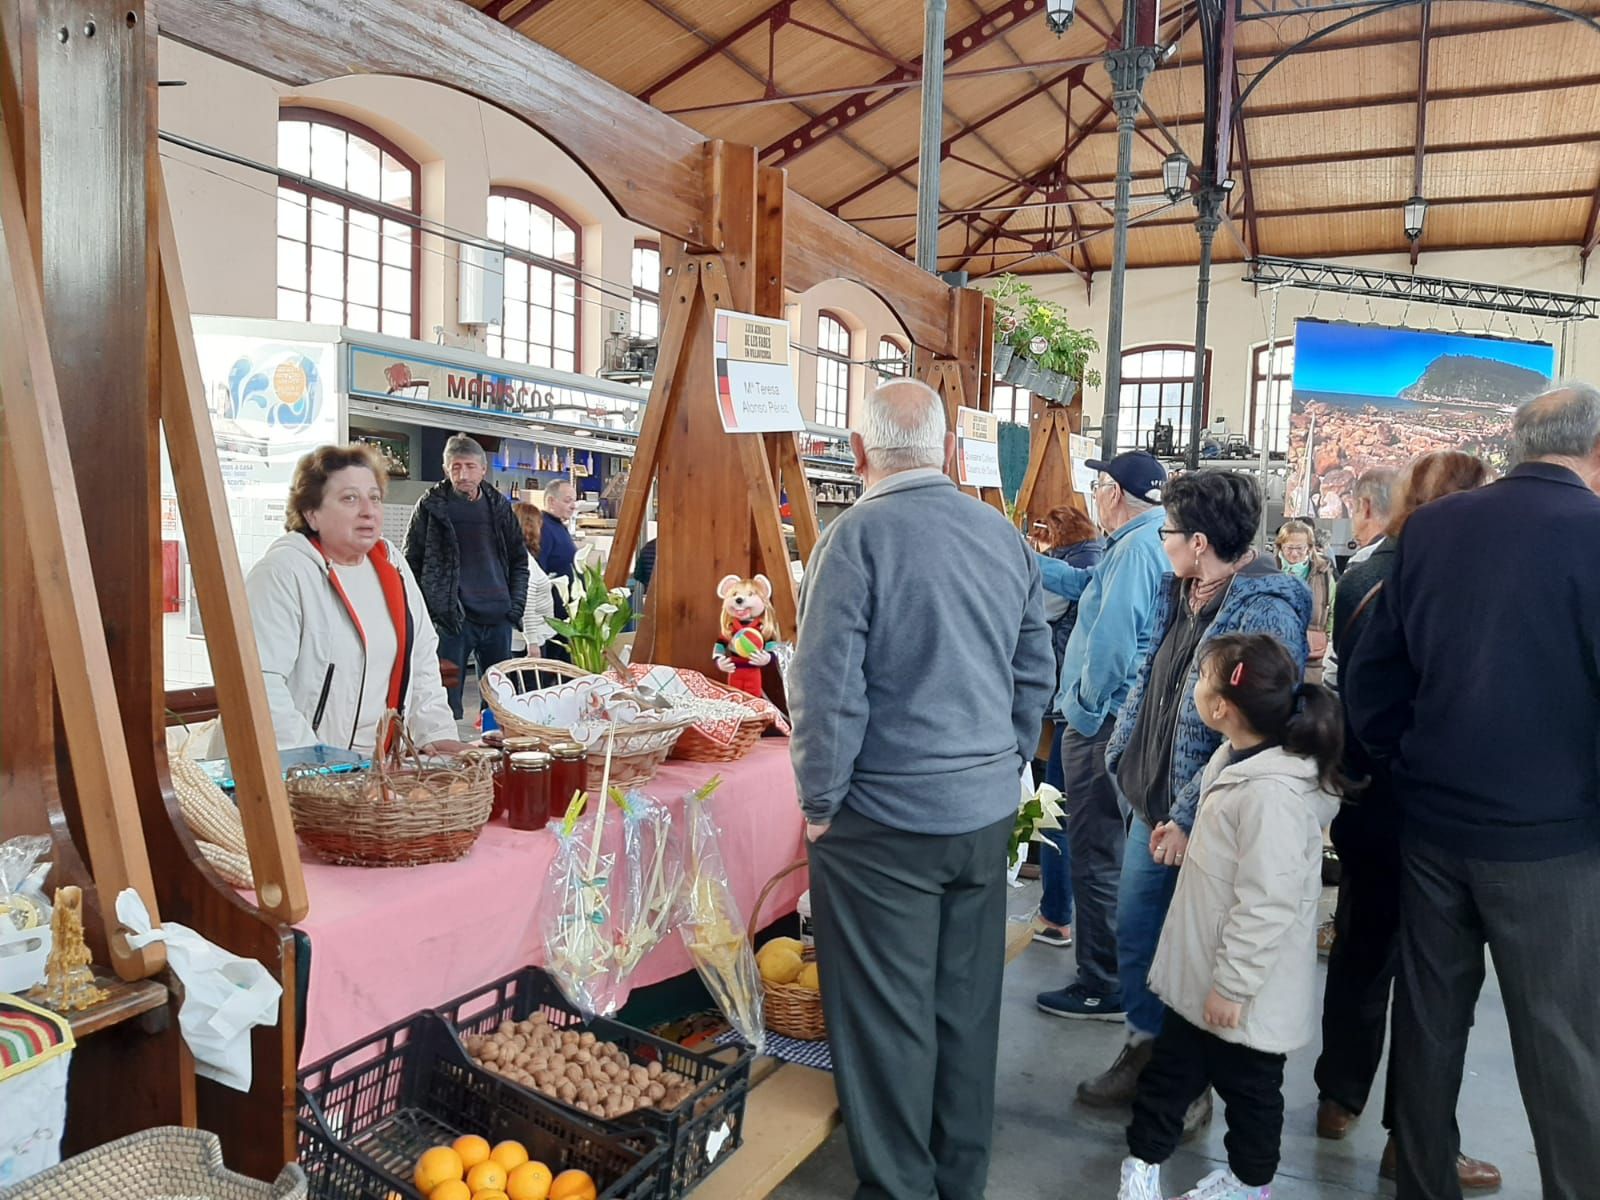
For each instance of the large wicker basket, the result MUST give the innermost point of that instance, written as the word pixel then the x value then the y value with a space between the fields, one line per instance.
pixel 788 1008
pixel 639 749
pixel 163 1162
pixel 695 746
pixel 402 811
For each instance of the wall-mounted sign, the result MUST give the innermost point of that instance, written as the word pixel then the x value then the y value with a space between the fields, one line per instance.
pixel 755 385
pixel 383 374
pixel 977 448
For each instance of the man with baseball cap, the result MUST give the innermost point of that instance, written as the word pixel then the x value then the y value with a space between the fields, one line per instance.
pixel 1116 604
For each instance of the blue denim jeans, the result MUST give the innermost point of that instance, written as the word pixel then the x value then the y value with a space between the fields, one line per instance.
pixel 489 644
pixel 1055 866
pixel 1143 895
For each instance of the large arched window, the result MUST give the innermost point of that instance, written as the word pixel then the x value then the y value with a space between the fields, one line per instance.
pixel 893 361
pixel 645 319
pixel 544 256
pixel 349 251
pixel 1012 403
pixel 1158 388
pixel 1276 396
pixel 833 371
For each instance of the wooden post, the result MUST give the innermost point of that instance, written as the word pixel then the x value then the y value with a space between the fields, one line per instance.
pixel 1049 481
pixel 965 376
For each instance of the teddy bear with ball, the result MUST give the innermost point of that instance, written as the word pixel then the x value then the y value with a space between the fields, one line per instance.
pixel 748 631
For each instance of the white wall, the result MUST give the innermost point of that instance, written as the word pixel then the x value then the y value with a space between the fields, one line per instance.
pixel 1160 307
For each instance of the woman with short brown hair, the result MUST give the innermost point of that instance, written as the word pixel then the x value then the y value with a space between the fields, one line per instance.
pixel 541 606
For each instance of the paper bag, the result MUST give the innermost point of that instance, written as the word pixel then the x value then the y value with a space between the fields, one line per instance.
pixel 225 996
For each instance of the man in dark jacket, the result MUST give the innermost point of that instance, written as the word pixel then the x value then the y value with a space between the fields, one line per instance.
pixel 465 547
pixel 1478 678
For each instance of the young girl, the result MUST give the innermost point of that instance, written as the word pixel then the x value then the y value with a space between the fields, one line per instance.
pixel 1237 960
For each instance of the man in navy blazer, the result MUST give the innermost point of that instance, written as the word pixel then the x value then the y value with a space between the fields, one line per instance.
pixel 1478 678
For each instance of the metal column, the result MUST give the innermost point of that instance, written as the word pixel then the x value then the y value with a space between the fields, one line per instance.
pixel 932 136
pixel 1209 200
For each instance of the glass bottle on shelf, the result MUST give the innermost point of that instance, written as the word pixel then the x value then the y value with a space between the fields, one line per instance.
pixel 528 790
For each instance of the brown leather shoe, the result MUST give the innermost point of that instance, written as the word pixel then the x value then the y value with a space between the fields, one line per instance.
pixel 1334 1120
pixel 1117 1085
pixel 1475 1174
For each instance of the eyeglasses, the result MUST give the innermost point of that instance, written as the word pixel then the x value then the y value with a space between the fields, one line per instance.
pixel 1176 533
pixel 1104 483
pixel 1295 551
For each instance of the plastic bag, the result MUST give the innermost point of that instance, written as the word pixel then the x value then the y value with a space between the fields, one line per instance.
pixel 653 848
pixel 589 911
pixel 25 936
pixel 712 928
pixel 224 996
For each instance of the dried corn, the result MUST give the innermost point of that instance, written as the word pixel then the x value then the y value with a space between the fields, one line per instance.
pixel 206 809
pixel 234 868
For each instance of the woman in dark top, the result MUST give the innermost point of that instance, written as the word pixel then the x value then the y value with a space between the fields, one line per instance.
pixel 1068 534
pixel 1366 834
pixel 557 552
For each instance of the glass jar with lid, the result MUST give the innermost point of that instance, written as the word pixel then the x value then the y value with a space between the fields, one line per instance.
pixel 569 773
pixel 509 745
pixel 528 790
pixel 490 756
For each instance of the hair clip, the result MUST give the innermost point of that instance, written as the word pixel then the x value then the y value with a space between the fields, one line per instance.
pixel 1238 675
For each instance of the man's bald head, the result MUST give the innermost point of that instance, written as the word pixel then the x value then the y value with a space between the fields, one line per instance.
pixel 903 427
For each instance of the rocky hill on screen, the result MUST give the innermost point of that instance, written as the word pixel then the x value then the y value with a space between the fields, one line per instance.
pixel 1468 379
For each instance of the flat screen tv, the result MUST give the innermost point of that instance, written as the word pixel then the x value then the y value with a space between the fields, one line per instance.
pixel 1368 396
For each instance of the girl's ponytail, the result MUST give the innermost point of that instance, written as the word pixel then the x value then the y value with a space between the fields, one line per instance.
pixel 1256 674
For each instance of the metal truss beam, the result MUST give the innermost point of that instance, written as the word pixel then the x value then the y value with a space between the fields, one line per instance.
pixel 774 15
pixel 959 45
pixel 1266 271
pixel 1260 10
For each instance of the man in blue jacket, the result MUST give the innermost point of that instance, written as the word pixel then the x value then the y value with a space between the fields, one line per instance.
pixel 1116 601
pixel 1478 678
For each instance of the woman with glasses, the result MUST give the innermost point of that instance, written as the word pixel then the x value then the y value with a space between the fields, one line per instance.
pixel 1298 556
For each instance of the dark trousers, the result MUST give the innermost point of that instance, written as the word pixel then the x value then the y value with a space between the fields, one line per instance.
pixel 1186 1061
pixel 1361 966
pixel 490 644
pixel 911 946
pixel 1096 836
pixel 1541 922
pixel 1055 866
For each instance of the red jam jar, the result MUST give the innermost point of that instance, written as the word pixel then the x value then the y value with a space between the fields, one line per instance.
pixel 528 790
pixel 569 773
pixel 508 747
pixel 490 756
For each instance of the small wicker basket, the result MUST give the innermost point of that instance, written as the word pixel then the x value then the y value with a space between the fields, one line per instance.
pixel 640 748
pixel 695 746
pixel 788 1008
pixel 402 811
pixel 155 1163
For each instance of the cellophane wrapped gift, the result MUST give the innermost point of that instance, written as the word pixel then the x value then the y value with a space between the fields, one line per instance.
pixel 590 910
pixel 712 928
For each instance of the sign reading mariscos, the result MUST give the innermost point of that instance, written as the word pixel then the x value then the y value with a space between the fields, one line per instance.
pixel 755 384
pixel 384 374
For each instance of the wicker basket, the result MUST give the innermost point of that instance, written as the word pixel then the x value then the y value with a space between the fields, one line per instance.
pixel 163 1162
pixel 788 1008
pixel 639 751
pixel 695 746
pixel 400 812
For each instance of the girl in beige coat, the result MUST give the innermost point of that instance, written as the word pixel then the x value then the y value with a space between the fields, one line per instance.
pixel 1236 965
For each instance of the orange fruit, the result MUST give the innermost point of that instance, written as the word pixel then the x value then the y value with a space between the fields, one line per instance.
pixel 486 1196
pixel 530 1181
pixel 436 1166
pixel 451 1189
pixel 509 1155
pixel 487 1176
pixel 473 1150
pixel 572 1185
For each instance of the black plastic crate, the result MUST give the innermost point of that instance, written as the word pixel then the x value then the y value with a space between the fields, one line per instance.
pixel 699 1134
pixel 368 1112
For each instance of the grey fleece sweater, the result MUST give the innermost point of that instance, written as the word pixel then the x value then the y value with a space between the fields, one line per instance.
pixel 923 664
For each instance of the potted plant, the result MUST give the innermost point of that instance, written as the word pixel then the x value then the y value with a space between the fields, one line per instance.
pixel 1011 295
pixel 595 617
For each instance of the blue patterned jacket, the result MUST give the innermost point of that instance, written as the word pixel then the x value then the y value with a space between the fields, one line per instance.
pixel 1262 599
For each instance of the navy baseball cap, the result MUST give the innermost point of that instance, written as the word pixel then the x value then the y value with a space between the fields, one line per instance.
pixel 1138 472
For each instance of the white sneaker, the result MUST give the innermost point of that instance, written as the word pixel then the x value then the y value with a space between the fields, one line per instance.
pixel 1140 1180
pixel 1225 1185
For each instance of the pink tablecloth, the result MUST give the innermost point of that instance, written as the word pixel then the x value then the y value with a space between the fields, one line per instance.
pixel 387 943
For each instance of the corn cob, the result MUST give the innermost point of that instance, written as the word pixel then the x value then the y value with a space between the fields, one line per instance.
pixel 206 809
pixel 234 868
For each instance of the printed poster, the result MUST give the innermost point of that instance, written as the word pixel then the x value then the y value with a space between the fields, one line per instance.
pixel 1083 477
pixel 755 385
pixel 977 448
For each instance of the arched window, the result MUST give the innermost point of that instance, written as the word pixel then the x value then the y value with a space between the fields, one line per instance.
pixel 1158 387
pixel 1012 403
pixel 892 361
pixel 544 255
pixel 833 371
pixel 645 319
pixel 349 252
pixel 1277 397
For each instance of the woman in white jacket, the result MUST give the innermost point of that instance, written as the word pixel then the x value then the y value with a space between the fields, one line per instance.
pixel 541 605
pixel 340 624
pixel 1236 964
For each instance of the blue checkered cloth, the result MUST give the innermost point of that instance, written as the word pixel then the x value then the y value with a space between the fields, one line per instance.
pixel 786 1049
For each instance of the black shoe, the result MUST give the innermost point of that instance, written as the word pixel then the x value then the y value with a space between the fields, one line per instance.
pixel 1079 1003
pixel 1117 1086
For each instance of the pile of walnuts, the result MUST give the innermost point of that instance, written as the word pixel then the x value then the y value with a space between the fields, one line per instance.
pixel 593 1076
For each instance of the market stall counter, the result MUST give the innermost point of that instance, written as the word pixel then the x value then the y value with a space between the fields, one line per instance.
pixel 387 943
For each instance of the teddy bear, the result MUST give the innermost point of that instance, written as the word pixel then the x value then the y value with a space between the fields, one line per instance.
pixel 747 631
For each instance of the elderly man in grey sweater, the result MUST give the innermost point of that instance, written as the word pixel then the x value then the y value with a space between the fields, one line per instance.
pixel 921 675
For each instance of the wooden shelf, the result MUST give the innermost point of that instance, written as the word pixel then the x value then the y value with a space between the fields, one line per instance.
pixel 125 1002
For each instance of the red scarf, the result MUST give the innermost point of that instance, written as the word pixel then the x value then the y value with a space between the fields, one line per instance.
pixel 394 598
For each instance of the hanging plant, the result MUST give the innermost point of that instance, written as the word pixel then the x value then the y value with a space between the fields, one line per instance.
pixel 1041 330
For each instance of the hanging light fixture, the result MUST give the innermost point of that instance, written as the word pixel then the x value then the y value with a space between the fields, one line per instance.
pixel 1416 213
pixel 1059 14
pixel 1175 176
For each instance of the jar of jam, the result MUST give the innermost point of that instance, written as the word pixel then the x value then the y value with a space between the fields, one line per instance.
pixel 497 770
pixel 508 747
pixel 569 773
pixel 528 790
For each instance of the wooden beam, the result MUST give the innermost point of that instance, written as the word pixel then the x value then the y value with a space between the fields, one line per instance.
pixel 52 525
pixel 1498 26
pixel 1591 234
pixel 773 14
pixel 1422 113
